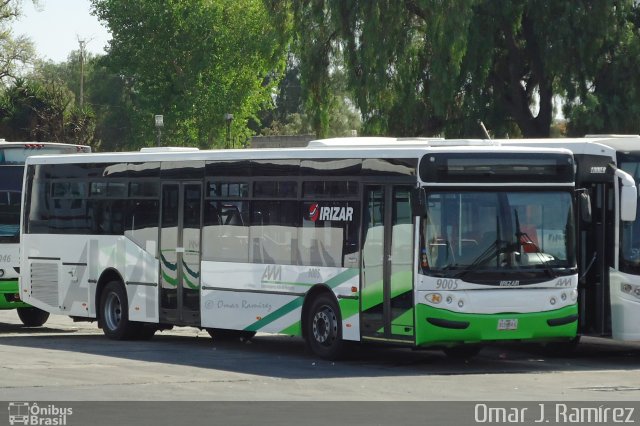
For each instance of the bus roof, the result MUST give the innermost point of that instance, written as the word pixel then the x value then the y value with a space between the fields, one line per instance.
pixel 285 153
pixel 604 145
pixel 355 142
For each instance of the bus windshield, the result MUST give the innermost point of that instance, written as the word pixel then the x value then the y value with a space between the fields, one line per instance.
pixel 630 231
pixel 10 184
pixel 476 234
pixel 12 159
pixel 17 155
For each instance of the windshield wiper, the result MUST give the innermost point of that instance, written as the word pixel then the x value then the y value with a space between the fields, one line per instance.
pixel 519 234
pixel 494 250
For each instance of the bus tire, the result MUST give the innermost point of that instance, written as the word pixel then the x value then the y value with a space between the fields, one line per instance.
pixel 32 317
pixel 324 328
pixel 114 313
pixel 223 334
pixel 462 352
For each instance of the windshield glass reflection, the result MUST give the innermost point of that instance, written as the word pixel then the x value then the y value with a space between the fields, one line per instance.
pixel 464 232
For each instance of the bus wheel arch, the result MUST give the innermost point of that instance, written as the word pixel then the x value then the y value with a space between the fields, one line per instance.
pixel 107 276
pixel 321 323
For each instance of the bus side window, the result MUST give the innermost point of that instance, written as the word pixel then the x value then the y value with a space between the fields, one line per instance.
pixel 225 231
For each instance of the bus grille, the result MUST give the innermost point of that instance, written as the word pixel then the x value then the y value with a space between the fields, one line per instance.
pixel 44 283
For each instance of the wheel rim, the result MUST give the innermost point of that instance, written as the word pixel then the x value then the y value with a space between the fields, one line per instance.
pixel 112 311
pixel 325 326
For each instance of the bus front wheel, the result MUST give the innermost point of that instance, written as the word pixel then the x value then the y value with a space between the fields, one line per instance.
pixel 324 328
pixel 32 317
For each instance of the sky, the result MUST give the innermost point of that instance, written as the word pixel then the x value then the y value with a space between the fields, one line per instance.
pixel 54 26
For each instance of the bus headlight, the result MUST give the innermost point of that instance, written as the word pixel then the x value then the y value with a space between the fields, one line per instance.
pixel 449 300
pixel 574 295
pixel 1 273
pixel 552 301
pixel 631 289
pixel 434 298
pixel 563 296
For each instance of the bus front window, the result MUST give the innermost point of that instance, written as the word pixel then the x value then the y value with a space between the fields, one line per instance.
pixel 465 232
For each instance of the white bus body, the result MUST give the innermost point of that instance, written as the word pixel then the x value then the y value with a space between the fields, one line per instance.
pixel 329 243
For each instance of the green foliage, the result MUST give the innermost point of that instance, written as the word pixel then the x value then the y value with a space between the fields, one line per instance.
pixel 426 67
pixel 606 98
pixel 194 61
pixel 15 51
pixel 43 110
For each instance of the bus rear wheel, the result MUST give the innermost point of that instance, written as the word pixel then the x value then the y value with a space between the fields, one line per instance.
pixel 32 317
pixel 324 328
pixel 114 315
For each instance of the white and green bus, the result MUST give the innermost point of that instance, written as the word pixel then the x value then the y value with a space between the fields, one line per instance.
pixel 12 158
pixel 434 246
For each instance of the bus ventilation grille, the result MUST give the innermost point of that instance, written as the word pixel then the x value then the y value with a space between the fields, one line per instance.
pixel 44 283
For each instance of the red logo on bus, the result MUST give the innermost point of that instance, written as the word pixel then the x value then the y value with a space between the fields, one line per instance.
pixel 314 212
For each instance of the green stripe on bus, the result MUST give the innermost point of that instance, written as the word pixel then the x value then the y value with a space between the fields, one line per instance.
pixel 169 280
pixel 277 314
pixel 189 283
pixel 297 302
pixel 191 271
pixel 342 277
pixel 168 264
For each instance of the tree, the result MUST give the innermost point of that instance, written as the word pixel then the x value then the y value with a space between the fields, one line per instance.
pixel 15 52
pixel 290 117
pixel 194 61
pixel 607 98
pixel 423 67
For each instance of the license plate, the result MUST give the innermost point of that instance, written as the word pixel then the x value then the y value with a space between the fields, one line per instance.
pixel 508 324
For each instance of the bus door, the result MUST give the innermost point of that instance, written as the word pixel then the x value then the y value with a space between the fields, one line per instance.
pixel 596 242
pixel 180 225
pixel 387 264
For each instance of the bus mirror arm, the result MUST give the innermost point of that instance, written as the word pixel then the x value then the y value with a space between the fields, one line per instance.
pixel 628 196
pixel 418 201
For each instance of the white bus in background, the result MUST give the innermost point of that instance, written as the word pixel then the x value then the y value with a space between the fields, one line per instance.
pixel 608 168
pixel 12 158
pixel 433 246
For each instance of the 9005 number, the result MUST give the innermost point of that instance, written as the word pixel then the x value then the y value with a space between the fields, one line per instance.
pixel 446 284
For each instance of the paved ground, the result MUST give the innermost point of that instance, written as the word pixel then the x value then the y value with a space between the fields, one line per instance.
pixel 68 361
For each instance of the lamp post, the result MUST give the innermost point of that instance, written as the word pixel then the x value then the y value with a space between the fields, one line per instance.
pixel 159 125
pixel 228 117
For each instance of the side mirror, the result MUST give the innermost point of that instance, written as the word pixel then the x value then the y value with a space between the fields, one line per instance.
pixel 585 206
pixel 628 203
pixel 418 202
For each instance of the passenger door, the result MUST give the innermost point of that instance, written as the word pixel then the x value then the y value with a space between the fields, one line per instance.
pixel 180 219
pixel 387 264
